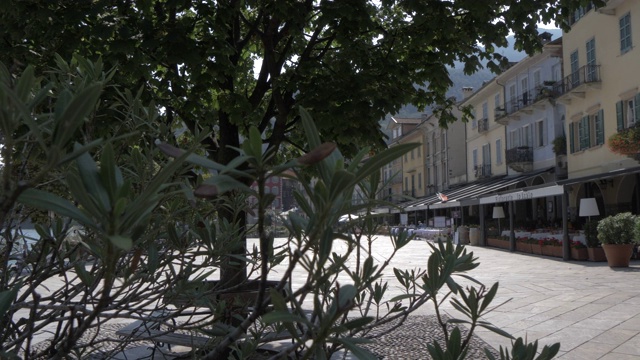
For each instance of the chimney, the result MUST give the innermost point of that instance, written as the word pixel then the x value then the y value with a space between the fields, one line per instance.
pixel 466 91
pixel 545 37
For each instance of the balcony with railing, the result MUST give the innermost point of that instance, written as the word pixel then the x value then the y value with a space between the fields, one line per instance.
pixel 483 171
pixel 524 103
pixel 520 158
pixel 411 193
pixel 578 83
pixel 483 126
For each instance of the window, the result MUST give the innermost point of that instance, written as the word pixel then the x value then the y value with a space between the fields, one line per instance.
pixel 498 151
pixel 413 184
pixel 524 83
pixel 496 100
pixel 419 180
pixel 537 81
pixel 584 133
pixel 514 138
pixel 598 124
pixel 435 175
pixel 540 139
pixel 474 121
pixel 443 141
pixel 527 136
pixel 412 154
pixel 419 150
pixel 591 60
pixel 406 184
pixel 625 33
pixel 628 112
pixel 575 65
pixel 587 132
pixel 486 154
pixel 513 101
pixel 406 157
pixel 485 110
pixel 474 158
pixel 433 143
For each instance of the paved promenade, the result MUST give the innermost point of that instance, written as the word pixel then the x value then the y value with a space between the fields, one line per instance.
pixel 591 309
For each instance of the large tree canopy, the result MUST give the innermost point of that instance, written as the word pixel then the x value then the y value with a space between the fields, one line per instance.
pixel 350 62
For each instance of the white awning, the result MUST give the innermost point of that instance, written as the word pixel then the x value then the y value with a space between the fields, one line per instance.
pixel 523 194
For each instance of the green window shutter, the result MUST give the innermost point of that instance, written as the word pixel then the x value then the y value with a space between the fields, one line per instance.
pixel 571 139
pixel 600 128
pixel 587 132
pixel 637 108
pixel 620 115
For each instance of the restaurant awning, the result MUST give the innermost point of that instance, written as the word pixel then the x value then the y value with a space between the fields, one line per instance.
pixel 523 194
pixel 469 194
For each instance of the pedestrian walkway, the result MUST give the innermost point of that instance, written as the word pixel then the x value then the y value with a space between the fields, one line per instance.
pixel 591 309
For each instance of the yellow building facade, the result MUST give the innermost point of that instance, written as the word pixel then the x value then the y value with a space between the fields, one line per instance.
pixel 601 94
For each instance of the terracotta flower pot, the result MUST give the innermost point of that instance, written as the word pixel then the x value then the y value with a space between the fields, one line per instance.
pixel 618 255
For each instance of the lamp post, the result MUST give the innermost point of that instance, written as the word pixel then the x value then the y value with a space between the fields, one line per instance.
pixel 589 207
pixel 498 213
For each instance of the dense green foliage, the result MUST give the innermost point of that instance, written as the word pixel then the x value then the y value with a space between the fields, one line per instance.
pixel 348 62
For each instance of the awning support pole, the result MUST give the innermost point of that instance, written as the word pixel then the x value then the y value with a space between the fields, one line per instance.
pixel 512 235
pixel 566 249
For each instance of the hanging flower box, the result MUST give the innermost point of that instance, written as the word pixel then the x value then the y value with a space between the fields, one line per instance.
pixel 626 141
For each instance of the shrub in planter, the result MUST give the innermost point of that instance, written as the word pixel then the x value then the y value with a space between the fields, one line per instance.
pixel 560 145
pixel 594 248
pixel 617 234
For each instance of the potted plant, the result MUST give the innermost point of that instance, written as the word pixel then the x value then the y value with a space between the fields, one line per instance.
pixel 594 248
pixel 560 145
pixel 474 235
pixel 617 234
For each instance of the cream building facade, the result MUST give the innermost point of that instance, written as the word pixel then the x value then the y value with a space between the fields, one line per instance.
pixel 601 93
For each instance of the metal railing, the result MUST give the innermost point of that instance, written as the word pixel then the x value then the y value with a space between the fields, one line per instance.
pixel 519 154
pixel 483 171
pixel 483 126
pixel 585 75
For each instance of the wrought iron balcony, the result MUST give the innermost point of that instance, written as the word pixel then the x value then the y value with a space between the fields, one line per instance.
pixel 524 103
pixel 520 158
pixel 483 126
pixel 483 171
pixel 588 74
